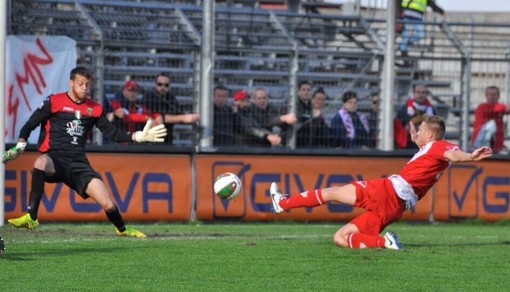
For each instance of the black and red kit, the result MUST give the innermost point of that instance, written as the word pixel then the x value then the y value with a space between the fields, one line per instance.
pixel 65 124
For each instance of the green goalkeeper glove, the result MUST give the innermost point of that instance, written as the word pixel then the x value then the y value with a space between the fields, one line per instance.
pixel 14 152
pixel 154 134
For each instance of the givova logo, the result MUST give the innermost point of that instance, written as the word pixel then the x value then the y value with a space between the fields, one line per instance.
pixel 463 190
pixel 477 192
pixel 235 208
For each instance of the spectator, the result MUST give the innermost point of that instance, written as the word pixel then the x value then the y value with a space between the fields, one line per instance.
pixel 321 132
pixel 413 12
pixel 127 112
pixel 162 100
pixel 250 131
pixel 350 128
pixel 373 118
pixel 224 123
pixel 241 101
pixel 488 125
pixel 304 114
pixel 267 116
pixel 413 110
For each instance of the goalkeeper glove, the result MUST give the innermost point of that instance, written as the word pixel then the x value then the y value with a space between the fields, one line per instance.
pixel 14 152
pixel 154 134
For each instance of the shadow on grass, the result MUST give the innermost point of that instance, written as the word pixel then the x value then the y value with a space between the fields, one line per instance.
pixel 37 254
pixel 504 242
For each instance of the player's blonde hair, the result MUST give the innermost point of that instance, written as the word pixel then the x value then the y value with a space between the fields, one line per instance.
pixel 436 124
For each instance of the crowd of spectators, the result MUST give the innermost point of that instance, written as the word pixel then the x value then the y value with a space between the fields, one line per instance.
pixel 250 119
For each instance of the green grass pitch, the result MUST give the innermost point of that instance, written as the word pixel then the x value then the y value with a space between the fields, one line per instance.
pixel 253 257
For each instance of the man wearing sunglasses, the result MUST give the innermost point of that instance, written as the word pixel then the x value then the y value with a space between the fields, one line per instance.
pixel 162 100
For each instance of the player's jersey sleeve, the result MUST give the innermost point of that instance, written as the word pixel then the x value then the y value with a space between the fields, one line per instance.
pixel 41 114
pixel 441 147
pixel 111 131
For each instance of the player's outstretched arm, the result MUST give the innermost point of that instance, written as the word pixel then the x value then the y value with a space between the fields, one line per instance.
pixel 154 134
pixel 461 156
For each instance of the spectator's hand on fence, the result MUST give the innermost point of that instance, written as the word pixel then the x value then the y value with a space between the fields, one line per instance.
pixel 191 118
pixel 120 113
pixel 316 113
pixel 158 119
pixel 110 116
pixel 154 134
pixel 274 139
pixel 289 119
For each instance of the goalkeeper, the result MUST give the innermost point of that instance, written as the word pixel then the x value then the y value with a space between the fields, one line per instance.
pixel 66 120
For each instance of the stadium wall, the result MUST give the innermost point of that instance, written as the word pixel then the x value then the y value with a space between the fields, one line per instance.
pixel 160 187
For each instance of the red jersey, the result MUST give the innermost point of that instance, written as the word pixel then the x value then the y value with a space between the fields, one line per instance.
pixel 486 112
pixel 426 166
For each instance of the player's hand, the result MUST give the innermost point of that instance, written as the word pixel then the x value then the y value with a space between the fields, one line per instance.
pixel 481 153
pixel 14 152
pixel 154 134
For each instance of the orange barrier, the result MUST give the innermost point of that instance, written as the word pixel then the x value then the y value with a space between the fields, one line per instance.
pixel 474 190
pixel 158 187
pixel 146 188
pixel 294 174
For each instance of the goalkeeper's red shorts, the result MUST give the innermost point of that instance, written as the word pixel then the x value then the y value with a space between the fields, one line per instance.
pixel 381 203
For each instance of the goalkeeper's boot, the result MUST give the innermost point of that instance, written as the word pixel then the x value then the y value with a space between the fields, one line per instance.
pixel 130 231
pixel 391 241
pixel 24 221
pixel 2 246
pixel 276 197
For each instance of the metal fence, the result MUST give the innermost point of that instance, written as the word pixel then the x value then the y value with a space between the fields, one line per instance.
pixel 335 50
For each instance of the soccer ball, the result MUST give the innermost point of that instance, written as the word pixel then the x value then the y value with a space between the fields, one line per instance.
pixel 227 185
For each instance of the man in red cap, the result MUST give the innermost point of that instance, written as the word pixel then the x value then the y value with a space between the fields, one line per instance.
pixel 127 112
pixel 241 100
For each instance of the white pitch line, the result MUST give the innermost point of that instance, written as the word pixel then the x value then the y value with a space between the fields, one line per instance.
pixel 161 236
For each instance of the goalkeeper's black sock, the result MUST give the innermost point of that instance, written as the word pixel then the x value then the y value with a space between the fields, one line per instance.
pixel 115 217
pixel 36 192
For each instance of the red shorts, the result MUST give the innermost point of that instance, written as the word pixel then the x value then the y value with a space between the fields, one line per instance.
pixel 381 203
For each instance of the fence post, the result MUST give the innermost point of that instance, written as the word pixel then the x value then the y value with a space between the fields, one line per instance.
pixel 465 100
pixel 292 108
pixel 388 81
pixel 206 72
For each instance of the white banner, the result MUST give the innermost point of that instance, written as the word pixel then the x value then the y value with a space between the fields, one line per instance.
pixel 36 67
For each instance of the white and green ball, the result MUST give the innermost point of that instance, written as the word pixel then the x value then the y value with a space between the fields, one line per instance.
pixel 227 186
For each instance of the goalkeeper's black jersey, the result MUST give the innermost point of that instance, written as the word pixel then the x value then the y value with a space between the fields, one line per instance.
pixel 66 125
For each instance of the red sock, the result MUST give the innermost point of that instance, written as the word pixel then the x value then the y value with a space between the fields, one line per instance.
pixel 360 240
pixel 311 199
